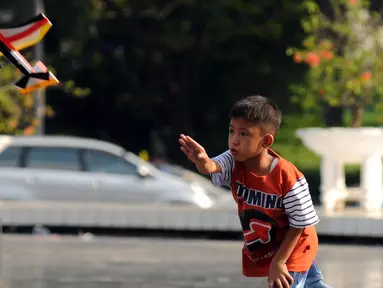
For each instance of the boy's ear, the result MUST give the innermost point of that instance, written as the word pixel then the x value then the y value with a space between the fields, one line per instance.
pixel 268 140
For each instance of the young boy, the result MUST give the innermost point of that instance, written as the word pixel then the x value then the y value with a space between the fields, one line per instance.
pixel 272 195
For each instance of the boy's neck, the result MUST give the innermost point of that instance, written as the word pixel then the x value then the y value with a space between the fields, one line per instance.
pixel 260 164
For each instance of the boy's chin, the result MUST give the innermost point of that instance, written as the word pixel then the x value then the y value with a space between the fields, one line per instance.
pixel 238 158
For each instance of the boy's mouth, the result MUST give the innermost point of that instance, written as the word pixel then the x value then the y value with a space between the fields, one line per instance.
pixel 234 152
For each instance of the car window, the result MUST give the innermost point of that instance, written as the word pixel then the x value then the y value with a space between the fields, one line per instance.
pixel 10 156
pixel 103 162
pixel 53 158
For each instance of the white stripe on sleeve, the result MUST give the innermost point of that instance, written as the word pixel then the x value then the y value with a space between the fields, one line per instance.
pixel 226 161
pixel 299 206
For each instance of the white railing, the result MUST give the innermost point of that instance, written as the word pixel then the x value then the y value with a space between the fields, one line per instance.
pixel 352 222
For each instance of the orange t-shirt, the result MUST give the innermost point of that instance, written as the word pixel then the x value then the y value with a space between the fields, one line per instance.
pixel 267 207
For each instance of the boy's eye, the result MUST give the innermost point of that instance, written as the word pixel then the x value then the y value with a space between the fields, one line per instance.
pixel 243 134
pixel 231 131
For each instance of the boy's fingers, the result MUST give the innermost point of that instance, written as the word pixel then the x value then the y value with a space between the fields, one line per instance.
pixel 188 154
pixel 290 279
pixel 275 284
pixel 184 138
pixel 285 282
pixel 194 144
pixel 184 150
pixel 184 144
pixel 188 144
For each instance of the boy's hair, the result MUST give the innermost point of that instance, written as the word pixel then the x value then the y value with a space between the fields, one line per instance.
pixel 258 109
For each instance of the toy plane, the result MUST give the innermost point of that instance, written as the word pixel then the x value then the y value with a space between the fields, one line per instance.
pixel 20 37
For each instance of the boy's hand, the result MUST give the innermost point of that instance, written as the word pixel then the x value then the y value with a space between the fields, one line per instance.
pixel 196 154
pixel 279 276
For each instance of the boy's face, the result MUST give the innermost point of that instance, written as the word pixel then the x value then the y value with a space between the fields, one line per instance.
pixel 247 140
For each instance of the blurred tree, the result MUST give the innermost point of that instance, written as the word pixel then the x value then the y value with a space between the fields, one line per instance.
pixel 169 67
pixel 344 51
pixel 18 112
pixel 166 67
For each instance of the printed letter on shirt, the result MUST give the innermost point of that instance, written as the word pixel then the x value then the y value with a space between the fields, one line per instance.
pixel 226 161
pixel 299 206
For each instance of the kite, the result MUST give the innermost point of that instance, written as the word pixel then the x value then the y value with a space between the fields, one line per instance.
pixel 19 37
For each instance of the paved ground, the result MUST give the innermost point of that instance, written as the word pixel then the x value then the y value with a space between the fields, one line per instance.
pixel 49 262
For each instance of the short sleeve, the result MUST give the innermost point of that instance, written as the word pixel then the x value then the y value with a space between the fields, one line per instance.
pixel 297 201
pixel 226 161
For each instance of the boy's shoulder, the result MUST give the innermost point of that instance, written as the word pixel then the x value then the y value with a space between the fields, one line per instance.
pixel 287 166
pixel 290 175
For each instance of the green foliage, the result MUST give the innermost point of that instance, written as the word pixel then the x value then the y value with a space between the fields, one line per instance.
pixel 155 63
pixel 344 54
pixel 70 88
pixel 288 145
pixel 16 110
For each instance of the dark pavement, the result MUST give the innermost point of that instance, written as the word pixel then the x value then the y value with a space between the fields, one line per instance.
pixel 72 262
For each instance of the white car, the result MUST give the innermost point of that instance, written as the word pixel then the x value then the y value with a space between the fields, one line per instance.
pixel 222 195
pixel 62 168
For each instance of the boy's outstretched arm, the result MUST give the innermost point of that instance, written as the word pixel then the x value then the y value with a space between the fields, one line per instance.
pixel 197 154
